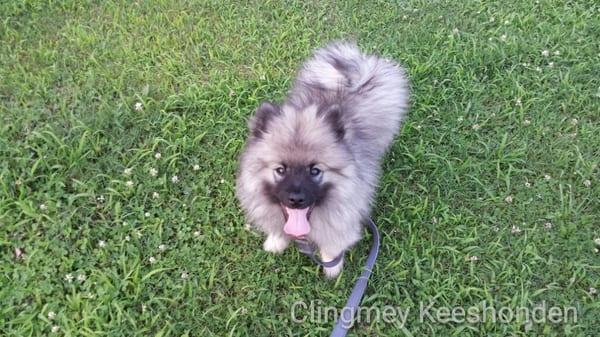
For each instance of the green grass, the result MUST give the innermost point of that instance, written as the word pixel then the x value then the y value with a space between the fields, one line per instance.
pixel 72 71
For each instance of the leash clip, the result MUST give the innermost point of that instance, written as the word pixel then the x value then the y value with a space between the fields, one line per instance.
pixel 308 249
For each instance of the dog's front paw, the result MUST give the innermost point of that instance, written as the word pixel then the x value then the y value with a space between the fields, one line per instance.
pixel 334 271
pixel 275 243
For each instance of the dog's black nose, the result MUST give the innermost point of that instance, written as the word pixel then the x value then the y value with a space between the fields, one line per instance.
pixel 297 200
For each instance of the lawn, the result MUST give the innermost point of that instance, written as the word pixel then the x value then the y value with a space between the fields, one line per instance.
pixel 121 123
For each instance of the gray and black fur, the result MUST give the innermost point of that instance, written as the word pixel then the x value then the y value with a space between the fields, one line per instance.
pixel 329 136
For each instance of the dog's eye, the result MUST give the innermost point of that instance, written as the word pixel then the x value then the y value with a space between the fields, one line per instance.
pixel 280 170
pixel 314 171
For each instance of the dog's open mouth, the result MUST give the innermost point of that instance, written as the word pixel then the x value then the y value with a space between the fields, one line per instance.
pixel 296 221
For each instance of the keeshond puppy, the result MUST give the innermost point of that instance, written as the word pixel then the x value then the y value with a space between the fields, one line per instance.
pixel 311 164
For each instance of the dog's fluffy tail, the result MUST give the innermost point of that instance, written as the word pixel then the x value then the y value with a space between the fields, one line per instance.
pixel 373 91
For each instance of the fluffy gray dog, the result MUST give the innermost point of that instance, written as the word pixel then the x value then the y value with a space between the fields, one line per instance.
pixel 311 164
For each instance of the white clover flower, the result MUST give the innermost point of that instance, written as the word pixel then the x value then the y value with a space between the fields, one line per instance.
pixel 175 179
pixel 129 184
pixel 548 225
pixel 222 181
pixel 476 127
pixel 139 234
pixel 547 177
pixel 460 119
pixel 527 122
pixel 492 19
pixel 593 291
pixel 127 238
pixel 597 241
pixel 196 167
pixel 509 199
pixel 157 155
pixel 557 52
pixel 550 64
pixel 545 53
pixel 574 121
pixel 81 277
pixel 506 22
pixel 162 248
pixel 69 278
pixel 147 214
pixel 101 244
pixel 100 199
pixel 515 230
pixel 587 183
pixel 18 182
pixel 503 37
pixel 138 106
pixel 55 328
pixel 527 184
pixel 404 17
pixel 197 233
pixel 153 172
pixel 127 171
pixel 455 31
pixel 43 207
pixel 518 102
pixel 152 260
pixel 184 275
pixel 473 258
pixel 155 195
pixel 51 315
pixel 538 69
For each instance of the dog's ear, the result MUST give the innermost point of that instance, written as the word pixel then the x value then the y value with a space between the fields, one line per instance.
pixel 334 116
pixel 260 121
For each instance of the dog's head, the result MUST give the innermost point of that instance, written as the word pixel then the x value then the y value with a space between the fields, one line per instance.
pixel 301 158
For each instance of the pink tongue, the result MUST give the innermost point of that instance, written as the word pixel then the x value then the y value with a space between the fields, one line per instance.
pixel 297 222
